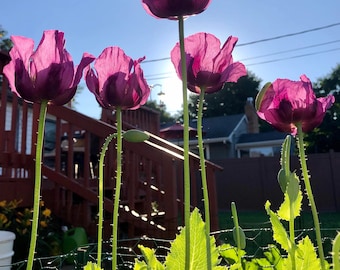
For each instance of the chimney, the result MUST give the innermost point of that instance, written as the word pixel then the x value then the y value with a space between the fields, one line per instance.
pixel 250 112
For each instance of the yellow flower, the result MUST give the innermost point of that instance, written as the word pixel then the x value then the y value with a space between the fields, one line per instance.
pixel 3 203
pixel 3 219
pixel 43 223
pixel 46 212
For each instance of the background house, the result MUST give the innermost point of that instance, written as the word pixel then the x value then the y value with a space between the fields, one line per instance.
pixel 229 136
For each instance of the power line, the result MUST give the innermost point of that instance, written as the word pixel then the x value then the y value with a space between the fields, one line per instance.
pixel 154 76
pixel 263 40
pixel 289 35
pixel 293 57
pixel 291 50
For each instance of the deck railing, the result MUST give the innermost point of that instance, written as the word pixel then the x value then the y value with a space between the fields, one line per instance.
pixel 152 190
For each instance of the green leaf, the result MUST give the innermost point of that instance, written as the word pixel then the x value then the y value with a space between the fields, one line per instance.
pixel 309 259
pixel 273 255
pixel 292 199
pixel 140 265
pixel 150 259
pixel 92 266
pixel 198 253
pixel 230 253
pixel 262 262
pixel 242 237
pixel 135 135
pixel 279 233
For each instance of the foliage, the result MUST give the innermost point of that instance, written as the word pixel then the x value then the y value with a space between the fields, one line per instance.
pixel 164 116
pixel 5 43
pixel 176 257
pixel 91 266
pixel 219 103
pixel 325 137
pixel 19 220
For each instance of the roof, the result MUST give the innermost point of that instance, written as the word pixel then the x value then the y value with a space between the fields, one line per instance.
pixel 219 126
pixel 216 128
pixel 262 136
pixel 262 139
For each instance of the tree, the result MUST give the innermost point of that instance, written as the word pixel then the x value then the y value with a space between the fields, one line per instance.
pixel 326 136
pixel 229 100
pixel 5 43
pixel 161 108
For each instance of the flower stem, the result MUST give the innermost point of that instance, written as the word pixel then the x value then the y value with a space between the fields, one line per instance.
pixel 237 228
pixel 37 183
pixel 187 200
pixel 204 176
pixel 335 252
pixel 286 163
pixel 117 189
pixel 101 197
pixel 305 175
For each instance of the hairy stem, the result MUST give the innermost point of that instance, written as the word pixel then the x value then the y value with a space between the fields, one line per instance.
pixel 287 171
pixel 187 200
pixel 117 189
pixel 305 175
pixel 204 176
pixel 236 225
pixel 101 197
pixel 335 252
pixel 37 183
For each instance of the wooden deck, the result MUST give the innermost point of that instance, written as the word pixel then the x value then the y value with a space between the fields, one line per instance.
pixel 152 190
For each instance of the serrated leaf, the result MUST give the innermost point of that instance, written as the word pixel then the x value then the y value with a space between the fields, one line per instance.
pixel 262 262
pixel 230 253
pixel 140 265
pixel 292 199
pixel 151 260
pixel 92 266
pixel 198 252
pixel 279 233
pixel 273 255
pixel 309 259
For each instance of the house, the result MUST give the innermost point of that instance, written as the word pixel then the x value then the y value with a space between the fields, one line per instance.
pixel 230 136
pixel 260 144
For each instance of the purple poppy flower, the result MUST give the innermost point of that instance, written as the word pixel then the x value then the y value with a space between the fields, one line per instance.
pixel 208 65
pixel 117 80
pixel 47 73
pixel 285 103
pixel 172 9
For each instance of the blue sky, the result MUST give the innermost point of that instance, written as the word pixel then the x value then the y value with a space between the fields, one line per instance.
pixel 91 26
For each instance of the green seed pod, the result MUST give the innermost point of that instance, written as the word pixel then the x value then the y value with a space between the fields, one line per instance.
pixel 242 236
pixel 135 135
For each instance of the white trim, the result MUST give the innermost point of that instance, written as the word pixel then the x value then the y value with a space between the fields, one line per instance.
pixel 266 143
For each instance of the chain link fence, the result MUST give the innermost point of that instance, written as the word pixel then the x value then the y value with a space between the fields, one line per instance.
pixel 257 242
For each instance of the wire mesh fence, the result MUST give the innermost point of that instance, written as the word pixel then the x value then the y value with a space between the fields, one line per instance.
pixel 257 242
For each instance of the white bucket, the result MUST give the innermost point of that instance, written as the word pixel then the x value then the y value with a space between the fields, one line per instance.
pixel 6 249
pixel 6 261
pixel 6 242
